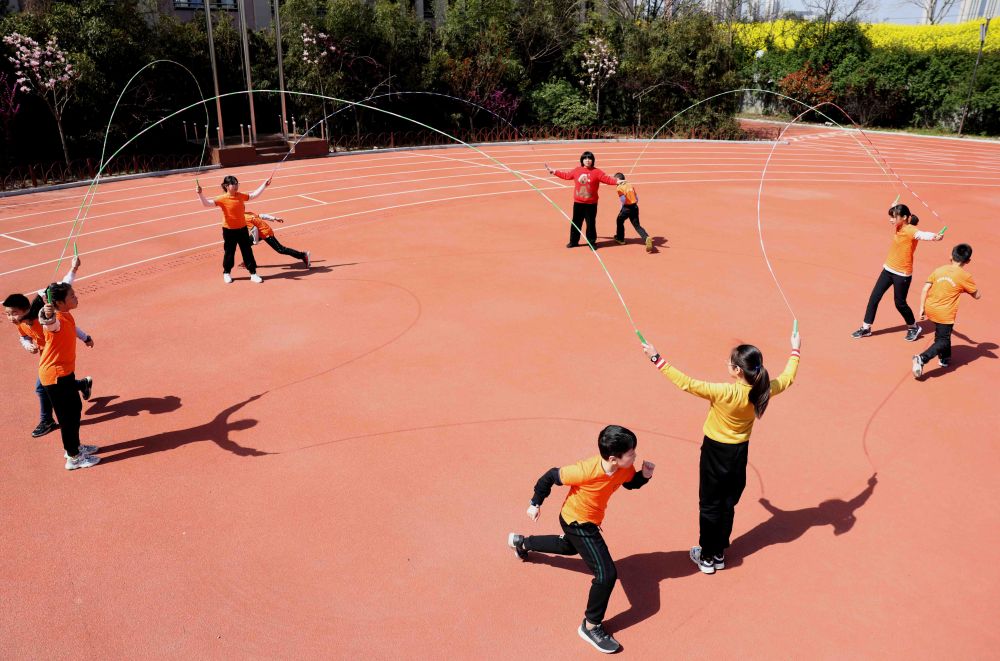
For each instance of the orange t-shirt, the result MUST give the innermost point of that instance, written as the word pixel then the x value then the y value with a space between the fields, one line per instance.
pixel 253 220
pixel 33 331
pixel 628 192
pixel 947 285
pixel 904 243
pixel 590 489
pixel 232 209
pixel 59 355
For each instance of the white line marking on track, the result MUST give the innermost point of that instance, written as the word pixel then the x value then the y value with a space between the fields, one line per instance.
pixel 12 238
pixel 312 199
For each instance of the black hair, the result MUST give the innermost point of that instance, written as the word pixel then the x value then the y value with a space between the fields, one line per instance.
pixel 57 292
pixel 749 359
pixel 619 176
pixel 17 301
pixel 615 441
pixel 961 253
pixel 914 220
pixel 899 211
pixel 230 179
pixel 590 155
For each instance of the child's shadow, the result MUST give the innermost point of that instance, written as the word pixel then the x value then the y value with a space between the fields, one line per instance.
pixel 216 430
pixel 102 407
pixel 963 354
pixel 787 526
pixel 640 576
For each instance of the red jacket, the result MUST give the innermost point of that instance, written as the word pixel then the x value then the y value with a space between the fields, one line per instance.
pixel 587 180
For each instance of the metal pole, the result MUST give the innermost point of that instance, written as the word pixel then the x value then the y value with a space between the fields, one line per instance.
pixel 281 68
pixel 215 75
pixel 982 40
pixel 246 66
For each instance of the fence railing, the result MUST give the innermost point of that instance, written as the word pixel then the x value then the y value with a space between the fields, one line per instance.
pixel 32 176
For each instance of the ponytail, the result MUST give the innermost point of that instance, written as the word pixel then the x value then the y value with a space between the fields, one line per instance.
pixel 749 359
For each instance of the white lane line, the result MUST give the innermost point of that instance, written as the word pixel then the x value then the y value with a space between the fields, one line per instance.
pixel 312 199
pixel 14 238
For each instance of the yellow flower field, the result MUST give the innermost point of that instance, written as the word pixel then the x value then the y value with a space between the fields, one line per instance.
pixel 963 36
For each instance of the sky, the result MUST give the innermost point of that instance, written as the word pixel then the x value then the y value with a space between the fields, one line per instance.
pixel 890 11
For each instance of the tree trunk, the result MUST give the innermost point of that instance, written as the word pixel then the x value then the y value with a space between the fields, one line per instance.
pixel 62 139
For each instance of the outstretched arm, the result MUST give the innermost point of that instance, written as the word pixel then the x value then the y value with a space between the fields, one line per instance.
pixel 543 487
pixel 703 389
pixel 205 202
pixel 260 189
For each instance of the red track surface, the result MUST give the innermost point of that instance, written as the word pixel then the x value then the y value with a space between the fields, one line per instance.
pixel 328 464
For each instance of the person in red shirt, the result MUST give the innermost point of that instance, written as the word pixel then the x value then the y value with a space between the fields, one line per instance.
pixel 591 483
pixel 897 272
pixel 234 226
pixel 587 178
pixel 939 303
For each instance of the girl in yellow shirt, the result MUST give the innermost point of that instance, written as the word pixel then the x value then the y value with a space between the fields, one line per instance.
pixel 725 448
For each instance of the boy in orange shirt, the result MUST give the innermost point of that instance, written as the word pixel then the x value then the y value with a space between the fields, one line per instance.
pixel 591 483
pixel 56 372
pixel 260 230
pixel 630 209
pixel 939 303
pixel 897 272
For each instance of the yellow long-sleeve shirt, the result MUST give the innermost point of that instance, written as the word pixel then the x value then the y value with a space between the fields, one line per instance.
pixel 730 415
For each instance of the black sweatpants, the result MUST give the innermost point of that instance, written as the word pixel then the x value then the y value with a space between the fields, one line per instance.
pixel 723 476
pixel 231 239
pixel 583 214
pixel 65 398
pixel 630 211
pixel 942 343
pixel 900 287
pixel 274 243
pixel 584 539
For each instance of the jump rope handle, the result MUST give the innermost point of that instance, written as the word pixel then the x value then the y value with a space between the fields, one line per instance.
pixel 942 230
pixel 641 338
pixel 795 327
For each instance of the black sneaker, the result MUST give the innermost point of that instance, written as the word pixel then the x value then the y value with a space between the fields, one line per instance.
pixel 87 387
pixel 913 333
pixel 719 561
pixel 705 565
pixel 599 638
pixel 620 242
pixel 43 428
pixel 572 245
pixel 862 332
pixel 516 542
pixel 943 363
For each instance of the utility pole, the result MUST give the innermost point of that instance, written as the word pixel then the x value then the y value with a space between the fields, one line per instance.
pixel 246 66
pixel 281 69
pixel 215 75
pixel 983 27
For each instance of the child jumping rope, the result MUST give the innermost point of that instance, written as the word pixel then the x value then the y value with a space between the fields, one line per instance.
pixel 588 178
pixel 591 482
pixel 24 315
pixel 725 448
pixel 897 272
pixel 56 371
pixel 630 209
pixel 939 303
pixel 259 229
pixel 234 225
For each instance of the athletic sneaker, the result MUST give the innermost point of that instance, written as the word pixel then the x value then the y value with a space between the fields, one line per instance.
pixel 620 242
pixel 82 461
pixel 256 278
pixel 516 542
pixel 706 565
pixel 307 260
pixel 599 638
pixel 719 561
pixel 43 428
pixel 918 366
pixel 649 244
pixel 943 363
pixel 87 387
pixel 862 332
pixel 226 278
pixel 572 245
pixel 913 333
pixel 85 449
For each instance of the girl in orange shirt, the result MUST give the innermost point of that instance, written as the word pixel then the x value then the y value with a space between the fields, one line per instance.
pixel 234 227
pixel 897 272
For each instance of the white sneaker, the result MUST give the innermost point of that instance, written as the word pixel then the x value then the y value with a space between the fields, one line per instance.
pixel 307 260
pixel 84 449
pixel 226 278
pixel 918 366
pixel 256 278
pixel 82 461
pixel 705 565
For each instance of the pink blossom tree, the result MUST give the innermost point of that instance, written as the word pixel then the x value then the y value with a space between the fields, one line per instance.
pixel 45 71
pixel 599 64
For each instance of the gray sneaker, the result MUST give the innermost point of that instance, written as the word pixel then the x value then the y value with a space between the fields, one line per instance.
pixel 599 638
pixel 918 366
pixel 706 565
pixel 85 449
pixel 862 332
pixel 82 461
pixel 913 333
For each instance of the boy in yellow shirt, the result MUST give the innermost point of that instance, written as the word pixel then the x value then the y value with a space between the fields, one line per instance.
pixel 939 303
pixel 591 483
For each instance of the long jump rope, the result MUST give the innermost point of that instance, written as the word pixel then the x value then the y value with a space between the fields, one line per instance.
pixel 870 150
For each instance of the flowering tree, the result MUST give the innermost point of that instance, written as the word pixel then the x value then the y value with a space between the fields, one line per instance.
pixel 599 63
pixel 9 107
pixel 500 102
pixel 45 71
